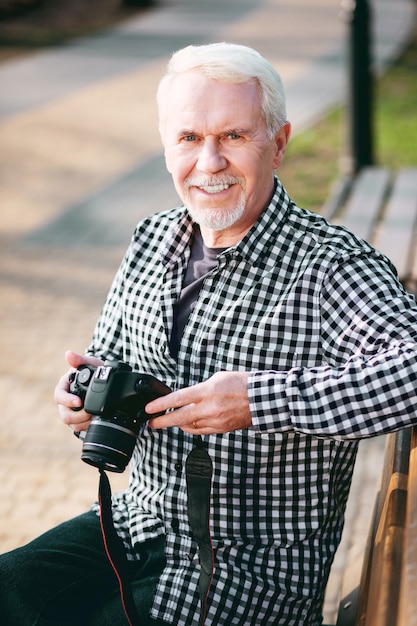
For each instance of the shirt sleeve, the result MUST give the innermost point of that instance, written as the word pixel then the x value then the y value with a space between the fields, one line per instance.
pixel 366 384
pixel 107 340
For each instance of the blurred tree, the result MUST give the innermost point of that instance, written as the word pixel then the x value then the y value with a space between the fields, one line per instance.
pixel 138 3
pixel 14 7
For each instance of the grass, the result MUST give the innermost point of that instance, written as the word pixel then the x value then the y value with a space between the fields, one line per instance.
pixel 313 160
pixel 396 112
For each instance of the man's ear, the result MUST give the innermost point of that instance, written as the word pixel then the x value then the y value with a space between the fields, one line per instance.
pixel 167 160
pixel 162 137
pixel 282 138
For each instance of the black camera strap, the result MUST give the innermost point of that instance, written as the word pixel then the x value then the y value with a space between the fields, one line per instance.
pixel 115 550
pixel 199 470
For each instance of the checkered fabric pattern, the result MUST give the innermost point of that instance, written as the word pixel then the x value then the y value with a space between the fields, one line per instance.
pixel 320 320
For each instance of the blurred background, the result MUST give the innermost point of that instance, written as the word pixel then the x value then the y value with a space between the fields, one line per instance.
pixel 81 163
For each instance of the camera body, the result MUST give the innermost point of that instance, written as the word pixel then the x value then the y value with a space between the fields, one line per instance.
pixel 115 396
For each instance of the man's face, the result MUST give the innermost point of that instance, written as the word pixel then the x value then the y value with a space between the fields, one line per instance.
pixel 219 153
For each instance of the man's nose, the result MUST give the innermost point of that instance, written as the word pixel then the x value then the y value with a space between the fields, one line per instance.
pixel 211 158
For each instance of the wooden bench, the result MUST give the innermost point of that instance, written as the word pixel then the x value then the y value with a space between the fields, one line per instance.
pixel 382 209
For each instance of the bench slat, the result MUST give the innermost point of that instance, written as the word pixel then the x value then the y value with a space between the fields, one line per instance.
pixel 380 581
pixel 396 233
pixel 408 598
pixel 363 207
pixel 337 198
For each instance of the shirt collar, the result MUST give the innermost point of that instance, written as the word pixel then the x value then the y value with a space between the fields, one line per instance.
pixel 252 248
pixel 263 234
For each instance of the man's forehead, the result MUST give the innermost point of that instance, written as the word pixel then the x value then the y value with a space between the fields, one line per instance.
pixel 197 97
pixel 192 83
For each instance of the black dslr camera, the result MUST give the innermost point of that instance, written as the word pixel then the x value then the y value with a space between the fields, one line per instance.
pixel 115 396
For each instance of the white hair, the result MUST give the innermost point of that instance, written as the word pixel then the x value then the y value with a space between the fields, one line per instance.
pixel 232 63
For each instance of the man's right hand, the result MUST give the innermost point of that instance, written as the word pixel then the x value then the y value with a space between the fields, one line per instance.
pixel 77 420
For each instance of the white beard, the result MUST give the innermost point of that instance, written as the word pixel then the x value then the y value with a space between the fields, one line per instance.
pixel 216 218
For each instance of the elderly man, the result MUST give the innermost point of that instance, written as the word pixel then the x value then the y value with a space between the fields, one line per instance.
pixel 284 339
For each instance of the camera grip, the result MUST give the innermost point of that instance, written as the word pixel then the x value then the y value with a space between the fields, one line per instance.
pixel 79 382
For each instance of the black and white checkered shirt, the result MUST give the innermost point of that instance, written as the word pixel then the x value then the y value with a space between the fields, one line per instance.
pixel 329 336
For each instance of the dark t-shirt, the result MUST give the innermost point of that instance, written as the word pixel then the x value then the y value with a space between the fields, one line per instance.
pixel 202 261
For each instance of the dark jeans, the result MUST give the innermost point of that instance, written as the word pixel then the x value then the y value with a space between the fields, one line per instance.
pixel 64 578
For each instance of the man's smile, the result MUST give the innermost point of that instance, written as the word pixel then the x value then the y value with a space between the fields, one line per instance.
pixel 214 188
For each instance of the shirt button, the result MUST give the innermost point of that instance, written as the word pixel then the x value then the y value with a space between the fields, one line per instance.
pixel 175 524
pixel 178 468
pixel 152 529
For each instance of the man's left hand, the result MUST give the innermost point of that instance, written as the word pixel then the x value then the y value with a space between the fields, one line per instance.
pixel 218 405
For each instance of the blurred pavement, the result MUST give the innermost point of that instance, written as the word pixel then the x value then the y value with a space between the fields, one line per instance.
pixel 80 164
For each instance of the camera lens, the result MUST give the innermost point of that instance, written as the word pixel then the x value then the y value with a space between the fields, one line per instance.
pixel 108 445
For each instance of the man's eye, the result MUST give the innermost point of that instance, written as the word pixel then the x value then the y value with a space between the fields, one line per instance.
pixel 233 136
pixel 189 137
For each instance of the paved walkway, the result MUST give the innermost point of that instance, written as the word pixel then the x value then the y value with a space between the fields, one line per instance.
pixel 80 163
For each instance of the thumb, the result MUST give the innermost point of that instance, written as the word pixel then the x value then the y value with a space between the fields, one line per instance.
pixel 74 360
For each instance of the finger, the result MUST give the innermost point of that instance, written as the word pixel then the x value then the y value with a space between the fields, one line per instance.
pixel 190 430
pixel 76 420
pixel 75 360
pixel 179 417
pixel 203 428
pixel 79 428
pixel 175 400
pixel 62 396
